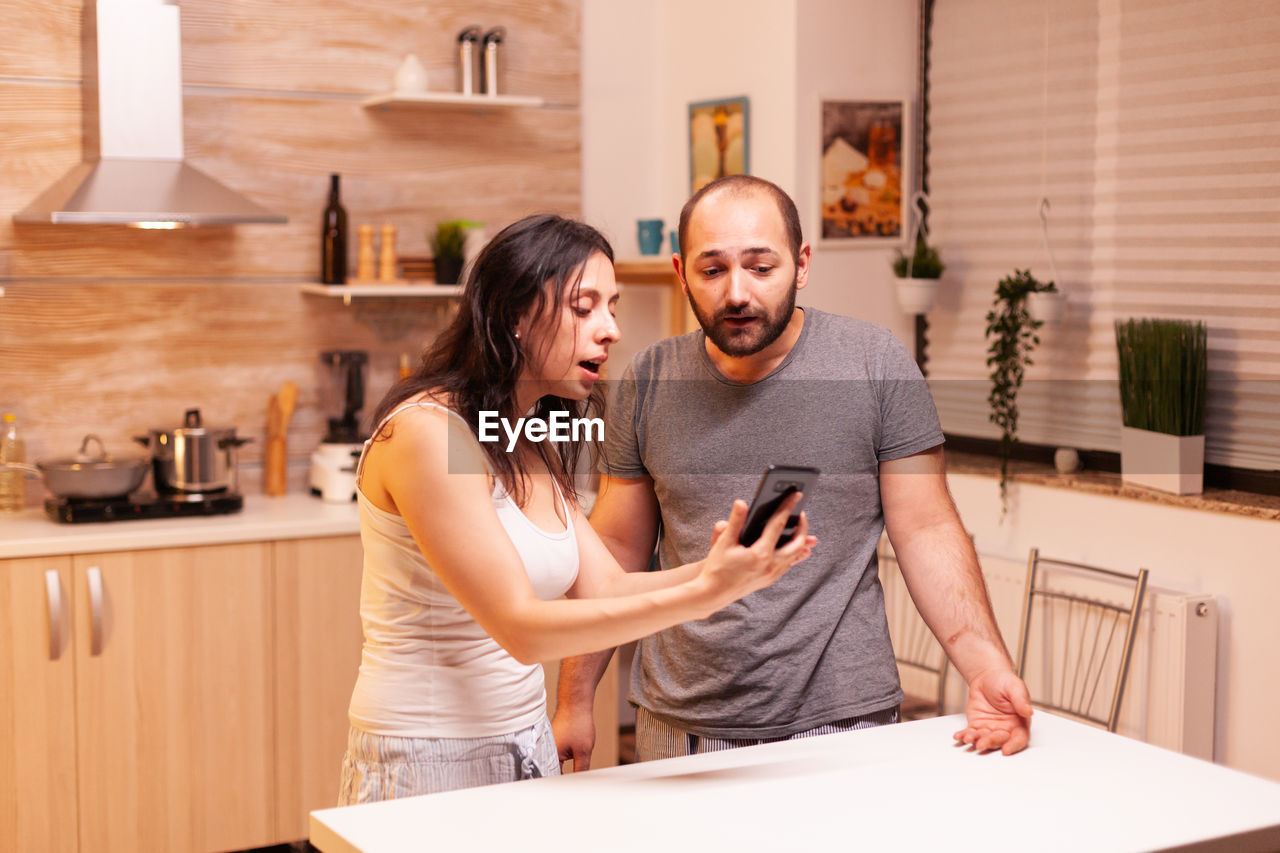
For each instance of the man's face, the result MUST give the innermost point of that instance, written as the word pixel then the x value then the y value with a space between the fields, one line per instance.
pixel 739 273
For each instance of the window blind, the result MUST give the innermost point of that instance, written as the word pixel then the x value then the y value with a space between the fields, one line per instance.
pixel 1153 129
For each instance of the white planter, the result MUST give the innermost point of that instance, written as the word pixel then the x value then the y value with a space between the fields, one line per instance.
pixel 916 295
pixel 1170 463
pixel 1047 307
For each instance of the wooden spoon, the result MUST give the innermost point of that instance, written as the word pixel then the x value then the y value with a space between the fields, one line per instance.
pixel 275 425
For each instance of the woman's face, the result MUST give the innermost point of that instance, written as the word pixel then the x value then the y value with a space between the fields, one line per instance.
pixel 566 352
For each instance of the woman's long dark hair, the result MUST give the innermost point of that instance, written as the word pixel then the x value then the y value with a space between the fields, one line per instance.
pixel 477 360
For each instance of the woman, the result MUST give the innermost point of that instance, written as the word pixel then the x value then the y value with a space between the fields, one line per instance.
pixel 469 546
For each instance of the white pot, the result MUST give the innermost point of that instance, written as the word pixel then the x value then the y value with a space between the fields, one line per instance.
pixel 1170 463
pixel 916 295
pixel 1047 307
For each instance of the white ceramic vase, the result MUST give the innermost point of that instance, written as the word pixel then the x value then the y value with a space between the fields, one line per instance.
pixel 411 77
pixel 1169 463
pixel 1047 307
pixel 916 295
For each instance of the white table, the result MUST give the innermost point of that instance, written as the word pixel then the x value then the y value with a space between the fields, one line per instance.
pixel 902 787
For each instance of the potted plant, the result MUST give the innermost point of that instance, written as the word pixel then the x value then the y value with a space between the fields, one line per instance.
pixel 1011 331
pixel 1164 369
pixel 917 277
pixel 1047 306
pixel 448 249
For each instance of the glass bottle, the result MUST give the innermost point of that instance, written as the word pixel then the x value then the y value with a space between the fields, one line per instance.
pixel 333 238
pixel 13 486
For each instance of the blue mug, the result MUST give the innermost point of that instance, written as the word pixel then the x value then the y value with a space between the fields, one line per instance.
pixel 675 242
pixel 649 235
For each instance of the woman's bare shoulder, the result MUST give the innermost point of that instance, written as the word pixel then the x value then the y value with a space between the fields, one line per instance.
pixel 420 446
pixel 422 409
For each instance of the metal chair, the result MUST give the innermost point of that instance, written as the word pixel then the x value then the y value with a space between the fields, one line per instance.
pixel 1079 624
pixel 922 663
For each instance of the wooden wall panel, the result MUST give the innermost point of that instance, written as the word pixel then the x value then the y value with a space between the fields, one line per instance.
pixel 117 330
pixel 354 46
pixel 119 358
pixel 409 168
pixel 41 38
pixel 322 45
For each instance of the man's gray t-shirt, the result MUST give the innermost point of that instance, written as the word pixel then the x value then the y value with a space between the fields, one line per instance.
pixel 813 647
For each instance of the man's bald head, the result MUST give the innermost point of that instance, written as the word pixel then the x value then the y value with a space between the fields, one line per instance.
pixel 746 185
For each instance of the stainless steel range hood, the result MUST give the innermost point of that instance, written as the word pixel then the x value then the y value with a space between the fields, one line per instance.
pixel 133 171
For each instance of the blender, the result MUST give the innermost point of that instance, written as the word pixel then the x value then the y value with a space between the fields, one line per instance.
pixel 333 464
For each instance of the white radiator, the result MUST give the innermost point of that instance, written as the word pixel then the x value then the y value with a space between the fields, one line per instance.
pixel 1169 699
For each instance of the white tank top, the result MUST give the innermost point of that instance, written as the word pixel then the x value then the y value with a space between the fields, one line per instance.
pixel 428 669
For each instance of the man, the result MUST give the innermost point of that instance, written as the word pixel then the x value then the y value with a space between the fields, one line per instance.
pixel 697 419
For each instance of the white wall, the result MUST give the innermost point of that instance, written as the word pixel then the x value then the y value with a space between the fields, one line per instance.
pixel 850 50
pixel 720 49
pixel 1232 557
pixel 620 107
pixel 621 136
pixel 643 63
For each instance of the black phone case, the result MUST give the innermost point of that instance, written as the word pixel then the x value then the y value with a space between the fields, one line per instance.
pixel 778 482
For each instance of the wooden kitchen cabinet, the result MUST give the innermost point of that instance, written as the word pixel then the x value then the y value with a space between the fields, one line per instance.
pixel 318 641
pixel 37 718
pixel 185 699
pixel 174 698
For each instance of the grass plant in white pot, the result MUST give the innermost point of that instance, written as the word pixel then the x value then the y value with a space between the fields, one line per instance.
pixel 1164 369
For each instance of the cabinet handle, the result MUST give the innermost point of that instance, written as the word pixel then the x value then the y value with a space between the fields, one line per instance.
pixel 53 592
pixel 95 610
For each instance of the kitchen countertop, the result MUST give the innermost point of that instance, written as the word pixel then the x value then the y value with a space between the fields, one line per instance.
pixel 902 787
pixel 1248 504
pixel 294 516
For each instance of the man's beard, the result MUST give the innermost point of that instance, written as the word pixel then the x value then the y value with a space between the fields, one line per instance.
pixel 743 342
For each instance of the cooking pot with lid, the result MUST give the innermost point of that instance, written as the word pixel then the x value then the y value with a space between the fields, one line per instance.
pixel 88 475
pixel 193 457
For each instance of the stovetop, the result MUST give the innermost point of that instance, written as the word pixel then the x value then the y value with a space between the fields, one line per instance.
pixel 142 505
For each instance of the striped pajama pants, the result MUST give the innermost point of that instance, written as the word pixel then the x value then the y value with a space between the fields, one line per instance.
pixel 657 739
pixel 380 767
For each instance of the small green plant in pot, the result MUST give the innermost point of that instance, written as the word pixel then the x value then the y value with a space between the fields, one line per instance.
pixel 448 249
pixel 1011 332
pixel 917 277
pixel 1164 369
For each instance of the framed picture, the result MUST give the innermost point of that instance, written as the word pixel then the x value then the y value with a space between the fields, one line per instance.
pixel 719 143
pixel 864 174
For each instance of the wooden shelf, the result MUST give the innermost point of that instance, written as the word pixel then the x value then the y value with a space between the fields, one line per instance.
pixel 348 292
pixel 644 270
pixel 656 270
pixel 391 100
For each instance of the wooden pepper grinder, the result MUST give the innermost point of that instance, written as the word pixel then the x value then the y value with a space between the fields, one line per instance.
pixel 387 262
pixel 364 264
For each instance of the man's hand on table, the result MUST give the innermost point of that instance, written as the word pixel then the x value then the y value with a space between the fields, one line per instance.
pixel 999 713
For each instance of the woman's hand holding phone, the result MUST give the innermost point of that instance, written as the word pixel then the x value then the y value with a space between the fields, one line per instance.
pixel 732 570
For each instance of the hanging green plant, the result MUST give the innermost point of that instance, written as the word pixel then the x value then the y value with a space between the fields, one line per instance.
pixel 1011 331
pixel 925 263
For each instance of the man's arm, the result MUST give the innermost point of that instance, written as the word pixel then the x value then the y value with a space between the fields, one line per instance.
pixel 625 517
pixel 940 568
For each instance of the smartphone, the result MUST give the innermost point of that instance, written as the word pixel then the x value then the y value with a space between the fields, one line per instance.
pixel 778 482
